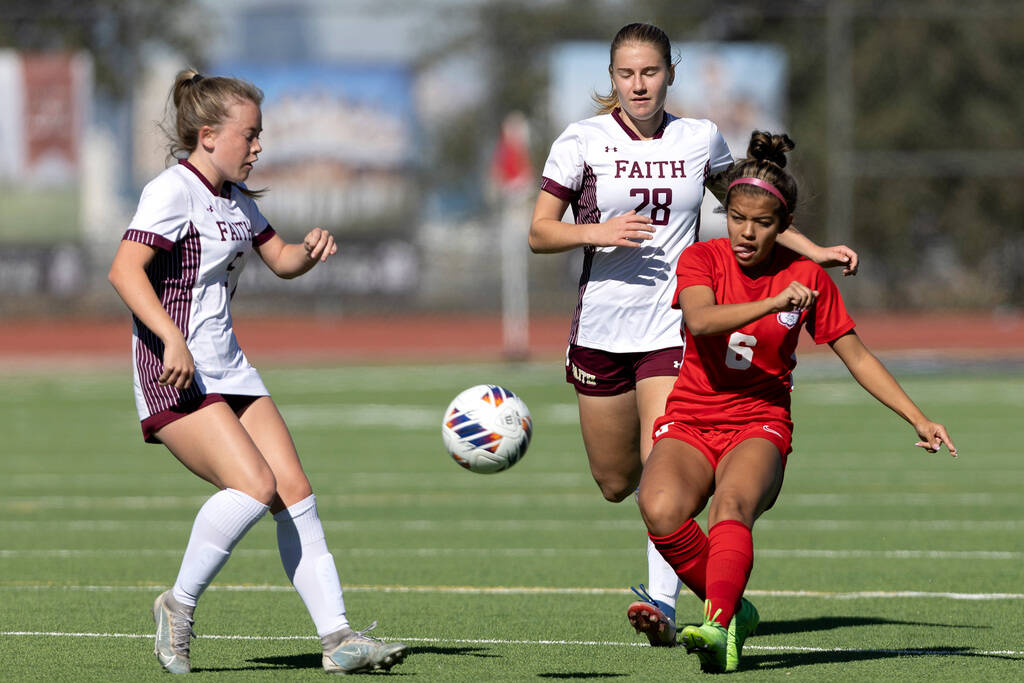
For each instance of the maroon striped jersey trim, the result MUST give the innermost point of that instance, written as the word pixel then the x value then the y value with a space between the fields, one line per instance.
pixel 696 226
pixel 173 275
pixel 561 191
pixel 150 239
pixel 586 211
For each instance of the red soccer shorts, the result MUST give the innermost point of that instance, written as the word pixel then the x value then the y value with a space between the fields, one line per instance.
pixel 715 442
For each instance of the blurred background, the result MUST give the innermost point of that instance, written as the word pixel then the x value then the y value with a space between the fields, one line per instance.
pixel 416 132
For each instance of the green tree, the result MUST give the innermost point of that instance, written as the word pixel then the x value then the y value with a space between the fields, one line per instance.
pixel 936 150
pixel 114 32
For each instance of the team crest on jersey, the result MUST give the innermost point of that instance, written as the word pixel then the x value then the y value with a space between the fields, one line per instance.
pixel 789 318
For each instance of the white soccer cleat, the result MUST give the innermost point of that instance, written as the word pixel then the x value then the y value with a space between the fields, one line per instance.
pixel 347 651
pixel 173 633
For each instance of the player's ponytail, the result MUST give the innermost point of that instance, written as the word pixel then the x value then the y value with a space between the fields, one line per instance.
pixel 767 147
pixel 763 170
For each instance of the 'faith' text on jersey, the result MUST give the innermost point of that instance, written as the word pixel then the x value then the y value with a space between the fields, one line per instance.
pixel 238 230
pixel 649 169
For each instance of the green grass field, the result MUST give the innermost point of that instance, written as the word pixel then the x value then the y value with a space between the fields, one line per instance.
pixel 878 562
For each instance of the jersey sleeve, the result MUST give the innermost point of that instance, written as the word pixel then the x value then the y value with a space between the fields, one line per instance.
pixel 563 170
pixel 162 215
pixel 719 156
pixel 695 267
pixel 829 320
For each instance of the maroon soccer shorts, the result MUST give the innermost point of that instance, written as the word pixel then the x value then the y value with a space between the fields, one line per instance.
pixel 154 423
pixel 602 373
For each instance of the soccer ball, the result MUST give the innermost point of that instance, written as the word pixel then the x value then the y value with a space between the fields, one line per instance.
pixel 487 428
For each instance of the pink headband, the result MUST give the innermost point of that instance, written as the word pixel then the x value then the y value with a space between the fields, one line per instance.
pixel 766 186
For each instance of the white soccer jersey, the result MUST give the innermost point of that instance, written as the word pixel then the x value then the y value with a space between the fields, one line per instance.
pixel 603 169
pixel 203 241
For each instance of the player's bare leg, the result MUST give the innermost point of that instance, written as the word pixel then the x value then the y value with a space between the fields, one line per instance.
pixel 654 614
pixel 748 480
pixel 265 426
pixel 302 544
pixel 676 484
pixel 212 443
pixel 611 436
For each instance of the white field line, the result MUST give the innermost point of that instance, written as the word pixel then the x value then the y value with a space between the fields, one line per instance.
pixel 510 641
pixel 889 525
pixel 471 495
pixel 524 590
pixel 773 553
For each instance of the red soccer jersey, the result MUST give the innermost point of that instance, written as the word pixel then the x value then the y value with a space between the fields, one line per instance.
pixel 746 375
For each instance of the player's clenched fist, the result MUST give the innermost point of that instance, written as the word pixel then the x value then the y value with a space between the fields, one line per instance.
pixel 795 297
pixel 179 366
pixel 319 244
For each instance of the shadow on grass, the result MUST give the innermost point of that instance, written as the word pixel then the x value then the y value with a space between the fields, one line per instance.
pixel 581 674
pixel 776 628
pixel 790 660
pixel 315 660
pixel 309 660
pixel 460 651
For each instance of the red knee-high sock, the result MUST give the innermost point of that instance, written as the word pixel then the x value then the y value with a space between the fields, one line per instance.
pixel 686 551
pixel 730 558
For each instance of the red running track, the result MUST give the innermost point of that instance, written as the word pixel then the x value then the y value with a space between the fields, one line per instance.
pixel 416 338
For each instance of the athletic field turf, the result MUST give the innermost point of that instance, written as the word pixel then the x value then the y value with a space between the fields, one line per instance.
pixel 879 562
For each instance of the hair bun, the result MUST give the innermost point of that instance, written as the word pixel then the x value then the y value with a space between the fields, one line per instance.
pixel 771 148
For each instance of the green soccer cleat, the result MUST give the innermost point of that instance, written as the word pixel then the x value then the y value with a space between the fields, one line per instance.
pixel 173 632
pixel 710 642
pixel 347 652
pixel 741 626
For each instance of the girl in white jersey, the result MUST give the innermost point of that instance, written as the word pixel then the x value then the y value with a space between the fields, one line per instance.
pixel 176 269
pixel 634 176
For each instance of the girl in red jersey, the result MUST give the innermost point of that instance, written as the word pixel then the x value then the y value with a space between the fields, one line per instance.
pixel 727 429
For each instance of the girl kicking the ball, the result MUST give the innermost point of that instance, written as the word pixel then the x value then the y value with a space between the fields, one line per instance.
pixel 635 177
pixel 726 431
pixel 176 269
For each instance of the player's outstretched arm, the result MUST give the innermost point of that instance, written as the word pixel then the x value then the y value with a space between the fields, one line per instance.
pixel 879 382
pixel 827 257
pixel 791 238
pixel 549 235
pixel 291 260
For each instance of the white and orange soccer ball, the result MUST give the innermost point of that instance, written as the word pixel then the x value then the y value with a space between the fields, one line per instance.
pixel 487 428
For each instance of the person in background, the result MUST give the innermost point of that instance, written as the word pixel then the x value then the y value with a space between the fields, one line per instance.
pixel 727 430
pixel 176 269
pixel 635 178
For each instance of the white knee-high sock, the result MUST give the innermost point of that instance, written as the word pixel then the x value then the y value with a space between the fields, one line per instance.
pixel 310 566
pixel 220 524
pixel 663 584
